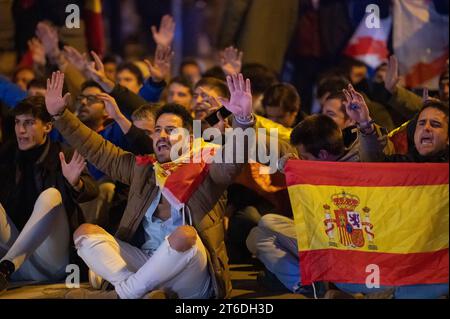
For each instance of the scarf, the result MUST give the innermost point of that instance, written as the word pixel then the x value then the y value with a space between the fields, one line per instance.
pixel 179 179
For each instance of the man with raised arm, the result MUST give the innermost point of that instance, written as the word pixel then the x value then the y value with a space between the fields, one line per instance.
pixel 164 242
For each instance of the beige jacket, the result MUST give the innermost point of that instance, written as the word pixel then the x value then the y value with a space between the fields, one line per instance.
pixel 207 204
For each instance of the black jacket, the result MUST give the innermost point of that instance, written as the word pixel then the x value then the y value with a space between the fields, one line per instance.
pixel 47 173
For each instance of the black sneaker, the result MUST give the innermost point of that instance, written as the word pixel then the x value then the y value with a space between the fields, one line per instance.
pixel 6 270
pixel 3 283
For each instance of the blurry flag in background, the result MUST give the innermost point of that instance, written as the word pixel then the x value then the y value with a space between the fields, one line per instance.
pixel 420 42
pixel 93 19
pixel 369 45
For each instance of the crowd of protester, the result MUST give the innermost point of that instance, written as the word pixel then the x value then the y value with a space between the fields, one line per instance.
pixel 75 128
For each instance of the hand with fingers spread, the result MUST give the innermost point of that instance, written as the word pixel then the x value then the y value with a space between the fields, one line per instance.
pixel 164 36
pixel 80 61
pixel 48 36
pixel 160 69
pixel 114 112
pixel 427 98
pixel 37 51
pixel 72 170
pixel 54 100
pixel 96 70
pixel 231 61
pixel 357 108
pixel 240 103
pixel 392 77
pixel 111 106
pixel 211 100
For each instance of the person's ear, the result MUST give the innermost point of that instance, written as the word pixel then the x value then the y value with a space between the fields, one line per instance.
pixel 323 155
pixel 48 127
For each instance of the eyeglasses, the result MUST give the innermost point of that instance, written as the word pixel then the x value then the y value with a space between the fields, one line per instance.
pixel 91 99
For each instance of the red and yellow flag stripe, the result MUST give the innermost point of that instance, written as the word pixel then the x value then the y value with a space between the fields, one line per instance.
pixel 352 215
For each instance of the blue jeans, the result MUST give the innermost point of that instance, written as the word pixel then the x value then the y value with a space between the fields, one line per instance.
pixel 431 291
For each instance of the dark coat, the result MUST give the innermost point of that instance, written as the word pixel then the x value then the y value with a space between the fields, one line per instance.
pixel 47 173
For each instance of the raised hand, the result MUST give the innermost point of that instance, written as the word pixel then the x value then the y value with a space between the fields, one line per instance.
pixel 48 36
pixel 426 97
pixel 96 70
pixel 160 69
pixel 392 78
pixel 80 61
pixel 111 106
pixel 114 112
pixel 240 103
pixel 231 60
pixel 72 170
pixel 356 107
pixel 214 102
pixel 164 36
pixel 54 100
pixel 37 51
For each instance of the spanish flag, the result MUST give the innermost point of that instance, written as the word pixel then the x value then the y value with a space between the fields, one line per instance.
pixel 350 217
pixel 94 26
pixel 179 179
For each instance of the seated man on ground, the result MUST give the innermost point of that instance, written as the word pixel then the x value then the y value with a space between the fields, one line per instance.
pixel 38 199
pixel 161 243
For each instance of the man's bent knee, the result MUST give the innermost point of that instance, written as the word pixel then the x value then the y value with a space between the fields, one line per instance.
pixel 183 238
pixel 49 199
pixel 87 229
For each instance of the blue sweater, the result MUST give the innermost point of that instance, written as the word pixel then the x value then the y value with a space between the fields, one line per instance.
pixel 10 93
pixel 151 91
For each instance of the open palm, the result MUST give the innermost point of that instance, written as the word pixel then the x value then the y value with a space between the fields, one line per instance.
pixel 54 100
pixel 240 103
pixel 72 170
pixel 164 36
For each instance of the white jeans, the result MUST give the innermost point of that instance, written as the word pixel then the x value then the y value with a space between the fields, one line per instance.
pixel 41 251
pixel 134 273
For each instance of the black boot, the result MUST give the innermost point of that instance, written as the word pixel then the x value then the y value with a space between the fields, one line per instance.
pixel 6 270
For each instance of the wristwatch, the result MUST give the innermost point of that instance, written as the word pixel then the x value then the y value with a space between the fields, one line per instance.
pixel 365 126
pixel 243 120
pixel 57 115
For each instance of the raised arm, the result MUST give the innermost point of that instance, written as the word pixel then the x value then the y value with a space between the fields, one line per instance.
pixel 402 100
pixel 164 36
pixel 373 144
pixel 231 60
pixel 107 157
pixel 240 105
pixel 159 74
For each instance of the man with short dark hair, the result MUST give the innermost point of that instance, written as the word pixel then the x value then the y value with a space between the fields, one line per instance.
pixel 282 104
pixel 431 133
pixel 130 76
pixel 38 198
pixel 204 90
pixel 180 91
pixel 163 242
pixel 319 138
pixel 334 107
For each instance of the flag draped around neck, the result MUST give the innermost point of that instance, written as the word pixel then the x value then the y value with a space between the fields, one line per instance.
pixel 179 179
pixel 352 217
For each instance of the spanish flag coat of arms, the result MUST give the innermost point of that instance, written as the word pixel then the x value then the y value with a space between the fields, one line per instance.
pixel 349 216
